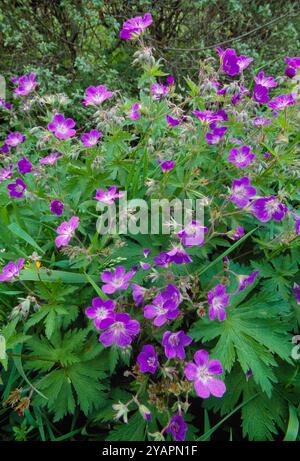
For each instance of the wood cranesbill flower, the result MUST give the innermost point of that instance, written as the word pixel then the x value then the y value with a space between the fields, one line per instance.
pixel 50 159
pixel 116 280
pixel 13 139
pixel 297 223
pixel 96 95
pixel 6 173
pixel 263 80
pixel 193 234
pixel 134 113
pixel 246 280
pixel 177 427
pixel 148 359
pixel 218 300
pixel 166 165
pixel 261 94
pixel 174 344
pixel 164 306
pixel 138 293
pixel 293 64
pixel 261 121
pixel 296 291
pixel 171 121
pixel 91 138
pixel 66 231
pixel 237 233
pixel 121 330
pixel 24 165
pixel 102 312
pixel 5 105
pixel 267 208
pixel 216 136
pixel 57 207
pixel 134 27
pixel 231 63
pixel 11 270
pixel 282 101
pixel 17 189
pixel 108 196
pixel 242 192
pixel 203 372
pixel 61 127
pixel 241 156
pixel 158 90
pixel 179 256
pixel 26 84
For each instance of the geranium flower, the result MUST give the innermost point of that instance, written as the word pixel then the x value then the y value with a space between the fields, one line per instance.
pixel 232 64
pixel 96 95
pixel 102 312
pixel 17 189
pixel 108 196
pixel 11 270
pixel 216 136
pixel 241 156
pixel 218 300
pixel 164 306
pixel 179 256
pixel 261 121
pixel 148 360
pixel 296 291
pixel 6 173
pixel 134 114
pixel 116 280
pixel 170 80
pixel 134 27
pixel 292 65
pixel 138 293
pixel 91 138
pixel 243 192
pixel 120 331
pixel 203 372
pixel 13 139
pixel 158 90
pixel 237 233
pixel 282 101
pixel 171 121
pixel 26 84
pixel 163 259
pixel 167 165
pixel 4 104
pixel 57 207
pixel 193 234
pixel 267 82
pixel 61 127
pixel 267 208
pixel 66 231
pixel 246 280
pixel 24 165
pixel 297 223
pixel 178 428
pixel 261 94
pixel 174 344
pixel 50 159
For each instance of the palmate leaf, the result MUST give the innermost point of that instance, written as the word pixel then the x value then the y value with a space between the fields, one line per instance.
pixel 249 336
pixel 134 430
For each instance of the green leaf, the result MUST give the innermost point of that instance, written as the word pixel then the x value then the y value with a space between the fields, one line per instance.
pixel 15 229
pixel 293 425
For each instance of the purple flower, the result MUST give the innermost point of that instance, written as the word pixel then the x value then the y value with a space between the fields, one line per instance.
pixel 4 104
pixel 293 65
pixel 50 159
pixel 11 270
pixel 158 90
pixel 193 234
pixel 6 173
pixel 57 207
pixel 167 165
pixel 24 165
pixel 17 188
pixel 108 196
pixel 102 312
pixel 96 95
pixel 61 127
pixel 134 114
pixel 179 256
pixel 296 291
pixel 164 306
pixel 145 266
pixel 138 293
pixel 238 96
pixel 66 231
pixel 116 280
pixel 246 280
pixel 170 80
pixel 216 136
pixel 241 156
pixel 237 233
pixel 267 82
pixel 261 121
pixel 261 94
pixel 134 27
pixel 13 139
pixel 4 149
pixel 297 223
pixel 171 122
pixel 267 208
pixel 120 331
pixel 148 360
pixel 178 428
pixel 218 300
pixel 202 373
pixel 205 116
pixel 174 344
pixel 243 192
pixel 232 64
pixel 282 101
pixel 26 84
pixel 90 139
pixel 162 259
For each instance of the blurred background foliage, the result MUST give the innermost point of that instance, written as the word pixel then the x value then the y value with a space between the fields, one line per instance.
pixel 74 43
